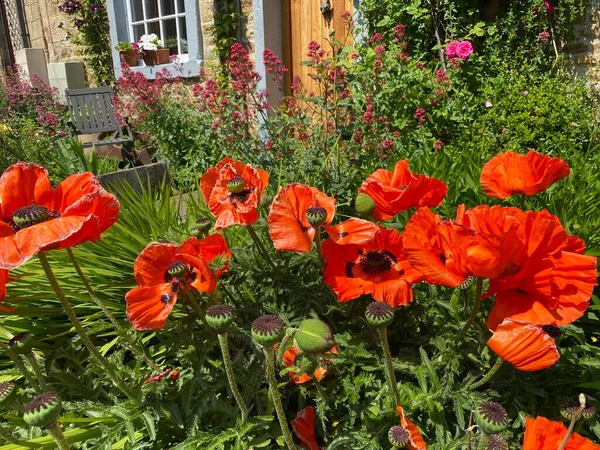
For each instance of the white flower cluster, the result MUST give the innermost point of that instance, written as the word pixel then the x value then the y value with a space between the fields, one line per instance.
pixel 149 42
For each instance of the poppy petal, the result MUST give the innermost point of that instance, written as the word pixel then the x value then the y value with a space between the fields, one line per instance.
pixel 352 231
pixel 204 279
pixel 524 346
pixel 3 281
pixel 151 264
pixel 149 307
pixel 23 184
pixel 544 434
pixel 207 183
pixel 304 427
pixel 416 440
pixel 209 249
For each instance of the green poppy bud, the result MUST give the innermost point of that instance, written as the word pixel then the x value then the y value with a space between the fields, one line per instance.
pixel 399 436
pixel 491 417
pixel 314 336
pixel 220 317
pixel 21 344
pixel 201 227
pixel 364 205
pixel 379 314
pixel 316 216
pixel 267 330
pixel 43 410
pixel 465 285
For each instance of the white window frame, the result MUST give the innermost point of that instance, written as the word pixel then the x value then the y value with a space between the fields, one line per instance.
pixel 121 29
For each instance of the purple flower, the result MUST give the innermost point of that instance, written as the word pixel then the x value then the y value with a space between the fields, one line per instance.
pixel 95 8
pixel 70 7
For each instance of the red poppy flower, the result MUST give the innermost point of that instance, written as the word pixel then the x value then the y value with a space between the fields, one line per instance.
pixel 524 346
pixel 232 191
pixel 397 191
pixel 289 227
pixel 3 281
pixel 34 217
pixel 378 268
pixel 544 434
pixel 352 231
pixel 162 270
pixel 509 173
pixel 289 357
pixel 304 427
pixel 416 441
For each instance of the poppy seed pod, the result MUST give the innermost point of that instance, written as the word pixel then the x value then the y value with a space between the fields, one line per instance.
pixel 379 314
pixel 496 442
pixel 491 417
pixel 236 185
pixel 465 285
pixel 267 330
pixel 314 336
pixel 30 215
pixel 364 205
pixel 573 409
pixel 398 436
pixel 21 344
pixel 316 216
pixel 8 391
pixel 220 317
pixel 43 410
pixel 201 227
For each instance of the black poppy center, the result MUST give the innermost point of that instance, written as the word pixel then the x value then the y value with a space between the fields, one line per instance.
pixel 267 325
pixel 30 215
pixel 552 330
pixel 377 261
pixel 220 311
pixel 493 412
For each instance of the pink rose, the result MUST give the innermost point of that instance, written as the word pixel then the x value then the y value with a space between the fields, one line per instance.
pixel 451 49
pixel 464 49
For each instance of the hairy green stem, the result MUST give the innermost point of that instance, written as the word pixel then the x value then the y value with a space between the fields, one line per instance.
pixel 276 398
pixel 260 245
pixel 389 366
pixel 281 348
pixel 478 300
pixel 85 338
pixel 138 350
pixel 19 364
pixel 488 376
pixel 230 375
pixel 319 247
pixel 55 431
pixel 37 370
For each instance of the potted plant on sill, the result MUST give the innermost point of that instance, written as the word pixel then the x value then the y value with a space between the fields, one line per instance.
pixel 127 53
pixel 152 51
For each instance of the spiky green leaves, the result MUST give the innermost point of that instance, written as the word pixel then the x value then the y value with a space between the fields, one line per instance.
pixel 364 205
pixel 8 391
pixel 316 216
pixel 398 436
pixel 491 417
pixel 43 410
pixel 267 330
pixel 21 344
pixel 379 314
pixel 220 317
pixel 314 336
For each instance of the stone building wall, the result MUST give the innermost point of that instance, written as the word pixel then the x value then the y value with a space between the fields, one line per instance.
pixel 586 51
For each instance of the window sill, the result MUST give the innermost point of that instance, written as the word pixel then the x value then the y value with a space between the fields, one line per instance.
pixel 187 69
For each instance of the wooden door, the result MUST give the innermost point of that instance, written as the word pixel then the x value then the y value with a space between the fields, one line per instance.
pixel 303 23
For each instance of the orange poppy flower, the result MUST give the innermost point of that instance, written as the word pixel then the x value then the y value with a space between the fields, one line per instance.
pixel 524 346
pixel 162 270
pixel 544 434
pixel 304 427
pixel 509 173
pixel 400 190
pixel 289 357
pixel 289 227
pixel 34 217
pixel 232 191
pixel 352 231
pixel 416 441
pixel 378 268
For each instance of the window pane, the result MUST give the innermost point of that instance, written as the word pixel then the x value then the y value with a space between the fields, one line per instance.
pixel 170 28
pixel 168 7
pixel 151 9
pixel 154 27
pixel 138 31
pixel 180 6
pixel 183 36
pixel 136 10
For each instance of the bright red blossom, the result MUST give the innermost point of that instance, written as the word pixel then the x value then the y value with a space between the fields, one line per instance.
pixel 304 427
pixel 544 434
pixel 416 441
pixel 34 217
pixel 3 281
pixel 289 358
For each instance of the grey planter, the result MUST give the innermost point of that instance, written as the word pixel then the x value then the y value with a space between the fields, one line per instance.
pixel 140 179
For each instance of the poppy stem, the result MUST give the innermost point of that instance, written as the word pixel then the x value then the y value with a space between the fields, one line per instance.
pixel 17 361
pixel 282 347
pixel 575 418
pixel 276 398
pixel 224 344
pixel 85 338
pixel 478 300
pixel 58 436
pixel 320 389
pixel 389 366
pixel 196 307
pixel 319 244
pixel 488 376
pixel 37 370
pixel 260 245
pixel 139 351
pixel 522 203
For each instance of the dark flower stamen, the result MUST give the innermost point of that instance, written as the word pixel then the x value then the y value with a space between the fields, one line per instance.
pixel 377 261
pixel 398 436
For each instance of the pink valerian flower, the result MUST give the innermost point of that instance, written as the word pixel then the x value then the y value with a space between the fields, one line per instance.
pixel 454 62
pixel 376 38
pixel 274 66
pixel 544 36
pixel 269 145
pixel 464 49
pixel 396 134
pixel 388 145
pixel 296 83
pixel 441 77
pixel 354 56
pixel 315 52
pixel 368 118
pixel 438 144
pixel 399 31
pixel 420 115
pixel 244 77
pixel 550 8
pixel 419 64
pixel 379 51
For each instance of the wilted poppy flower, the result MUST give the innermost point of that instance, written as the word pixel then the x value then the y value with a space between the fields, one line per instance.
pixel 509 173
pixel 291 214
pixel 544 434
pixel 304 427
pixel 162 270
pixel 524 346
pixel 416 441
pixel 289 358
pixel 400 190
pixel 378 268
pixel 232 191
pixel 34 217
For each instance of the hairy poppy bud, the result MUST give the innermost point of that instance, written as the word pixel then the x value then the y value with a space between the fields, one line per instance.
pixel 379 314
pixel 8 391
pixel 201 227
pixel 398 436
pixel 496 442
pixel 220 317
pixel 265 201
pixel 573 409
pixel 364 205
pixel 43 410
pixel 316 216
pixel 267 330
pixel 314 336
pixel 21 344
pixel 491 417
pixel 236 185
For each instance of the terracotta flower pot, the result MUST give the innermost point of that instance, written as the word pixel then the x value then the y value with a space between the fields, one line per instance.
pixel 149 57
pixel 129 57
pixel 162 56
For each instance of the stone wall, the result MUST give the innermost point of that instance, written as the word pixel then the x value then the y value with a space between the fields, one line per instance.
pixel 586 51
